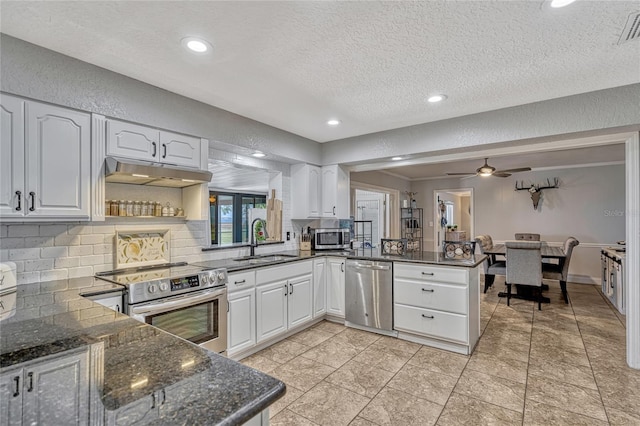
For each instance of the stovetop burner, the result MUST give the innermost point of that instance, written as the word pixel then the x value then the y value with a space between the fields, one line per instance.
pixel 149 273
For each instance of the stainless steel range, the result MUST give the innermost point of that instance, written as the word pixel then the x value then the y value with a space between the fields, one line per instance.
pixel 181 299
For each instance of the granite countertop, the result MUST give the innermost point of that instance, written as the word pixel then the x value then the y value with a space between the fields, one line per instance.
pixel 53 320
pixel 271 259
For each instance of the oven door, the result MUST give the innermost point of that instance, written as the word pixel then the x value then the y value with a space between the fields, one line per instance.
pixel 199 317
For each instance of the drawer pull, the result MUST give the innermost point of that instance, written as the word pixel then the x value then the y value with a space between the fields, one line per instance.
pixel 240 282
pixel 427 316
pixel 430 274
pixel 430 290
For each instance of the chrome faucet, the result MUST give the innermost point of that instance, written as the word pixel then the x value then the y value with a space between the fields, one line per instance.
pixel 252 242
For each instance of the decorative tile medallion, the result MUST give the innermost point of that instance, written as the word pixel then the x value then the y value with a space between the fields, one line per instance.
pixel 142 248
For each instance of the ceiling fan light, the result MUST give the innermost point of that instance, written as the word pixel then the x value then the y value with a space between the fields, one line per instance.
pixel 485 173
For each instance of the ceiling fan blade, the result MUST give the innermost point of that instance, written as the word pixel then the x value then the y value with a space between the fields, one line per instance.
pixel 501 174
pixel 461 174
pixel 521 169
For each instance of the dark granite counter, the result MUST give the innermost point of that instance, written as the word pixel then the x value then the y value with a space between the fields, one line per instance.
pixel 132 362
pixel 271 259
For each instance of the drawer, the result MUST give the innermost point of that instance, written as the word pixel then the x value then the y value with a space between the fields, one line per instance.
pixel 430 322
pixel 241 280
pixel 431 273
pixel 443 297
pixel 284 272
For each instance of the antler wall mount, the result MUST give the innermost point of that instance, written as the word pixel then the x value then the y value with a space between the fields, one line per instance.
pixel 536 190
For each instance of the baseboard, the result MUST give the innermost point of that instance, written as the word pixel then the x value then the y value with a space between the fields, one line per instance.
pixel 583 279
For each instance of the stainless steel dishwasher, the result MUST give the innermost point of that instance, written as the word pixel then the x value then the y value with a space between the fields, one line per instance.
pixel 369 295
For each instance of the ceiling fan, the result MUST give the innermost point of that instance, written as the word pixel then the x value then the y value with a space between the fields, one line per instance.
pixel 488 170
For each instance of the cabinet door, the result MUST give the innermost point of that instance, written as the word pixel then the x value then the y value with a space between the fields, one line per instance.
pixel 271 309
pixel 62 382
pixel 315 192
pixel 58 153
pixel 335 288
pixel 111 302
pixel 306 195
pixel 335 192
pixel 180 150
pixel 11 391
pixel 300 304
pixel 242 321
pixel 12 157
pixel 132 141
pixel 319 288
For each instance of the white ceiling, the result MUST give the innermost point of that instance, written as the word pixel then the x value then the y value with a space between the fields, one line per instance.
pixel 604 154
pixel 295 64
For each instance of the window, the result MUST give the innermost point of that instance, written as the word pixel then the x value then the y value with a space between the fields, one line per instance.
pixel 229 213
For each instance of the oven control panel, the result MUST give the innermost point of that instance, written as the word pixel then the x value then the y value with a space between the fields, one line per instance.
pixel 168 287
pixel 214 278
pixel 178 284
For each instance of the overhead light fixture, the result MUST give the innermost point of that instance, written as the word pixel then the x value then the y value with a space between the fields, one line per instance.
pixel 396 158
pixel 436 98
pixel 333 122
pixel 259 154
pixel 196 45
pixel 560 3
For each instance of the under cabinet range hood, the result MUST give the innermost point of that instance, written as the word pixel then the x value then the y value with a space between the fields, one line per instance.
pixel 120 170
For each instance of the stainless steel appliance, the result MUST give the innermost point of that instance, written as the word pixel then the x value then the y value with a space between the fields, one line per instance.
pixel 330 238
pixel 180 299
pixel 369 295
pixel 119 170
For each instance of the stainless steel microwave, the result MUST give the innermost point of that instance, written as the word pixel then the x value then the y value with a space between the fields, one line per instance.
pixel 330 238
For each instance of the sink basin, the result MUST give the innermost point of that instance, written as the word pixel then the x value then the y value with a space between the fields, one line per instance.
pixel 265 258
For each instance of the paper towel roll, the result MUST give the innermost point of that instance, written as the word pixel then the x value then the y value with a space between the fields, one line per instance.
pixel 7 290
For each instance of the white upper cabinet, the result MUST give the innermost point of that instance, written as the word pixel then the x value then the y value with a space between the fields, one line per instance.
pixel 335 192
pixel 319 192
pixel 138 142
pixel 306 192
pixel 132 141
pixel 49 149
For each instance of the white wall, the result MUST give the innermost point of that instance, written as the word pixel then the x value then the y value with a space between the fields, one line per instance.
pixel 589 205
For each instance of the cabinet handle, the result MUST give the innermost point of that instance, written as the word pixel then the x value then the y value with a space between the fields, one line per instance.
pixel 427 316
pixel 17 391
pixel 164 150
pixel 240 282
pixel 342 267
pixel 155 149
pixel 286 291
pixel 30 376
pixel 117 308
pixel 334 210
pixel 19 194
pixel 33 201
pixel 290 288
pixel 164 397
pixel 430 274
pixel 430 290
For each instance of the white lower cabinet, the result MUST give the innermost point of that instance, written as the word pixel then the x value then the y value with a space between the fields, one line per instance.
pixel 241 320
pixel 319 287
pixel 437 305
pixel 55 391
pixel 284 298
pixel 335 286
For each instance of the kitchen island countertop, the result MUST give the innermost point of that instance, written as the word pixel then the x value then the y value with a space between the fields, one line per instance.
pixel 52 321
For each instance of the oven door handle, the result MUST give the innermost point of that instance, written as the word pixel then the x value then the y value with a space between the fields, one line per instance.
pixel 183 302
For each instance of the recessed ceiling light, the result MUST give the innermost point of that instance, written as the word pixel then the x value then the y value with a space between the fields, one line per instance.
pixel 436 98
pixel 333 122
pixel 560 3
pixel 396 158
pixel 259 154
pixel 196 45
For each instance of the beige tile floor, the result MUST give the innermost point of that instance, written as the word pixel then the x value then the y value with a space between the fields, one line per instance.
pixel 564 365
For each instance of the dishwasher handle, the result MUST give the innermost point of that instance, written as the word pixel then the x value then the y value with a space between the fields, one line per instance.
pixel 375 267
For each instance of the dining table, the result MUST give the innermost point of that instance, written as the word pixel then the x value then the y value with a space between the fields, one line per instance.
pixel 547 251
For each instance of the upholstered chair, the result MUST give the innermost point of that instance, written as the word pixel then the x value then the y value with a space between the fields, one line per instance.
pixel 551 271
pixel 524 266
pixel 527 237
pixel 491 266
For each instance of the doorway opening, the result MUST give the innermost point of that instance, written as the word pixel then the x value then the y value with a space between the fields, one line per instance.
pixel 376 204
pixel 454 215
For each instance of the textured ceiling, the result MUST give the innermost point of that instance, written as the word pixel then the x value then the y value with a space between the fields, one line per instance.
pixel 295 64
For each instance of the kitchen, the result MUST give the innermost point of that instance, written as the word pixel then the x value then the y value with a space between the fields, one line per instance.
pixel 64 250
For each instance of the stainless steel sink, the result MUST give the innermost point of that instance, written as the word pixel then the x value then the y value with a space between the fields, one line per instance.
pixel 265 258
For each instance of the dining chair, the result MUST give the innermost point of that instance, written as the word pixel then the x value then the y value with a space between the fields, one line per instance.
pixel 527 237
pixel 491 266
pixel 560 271
pixel 524 266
